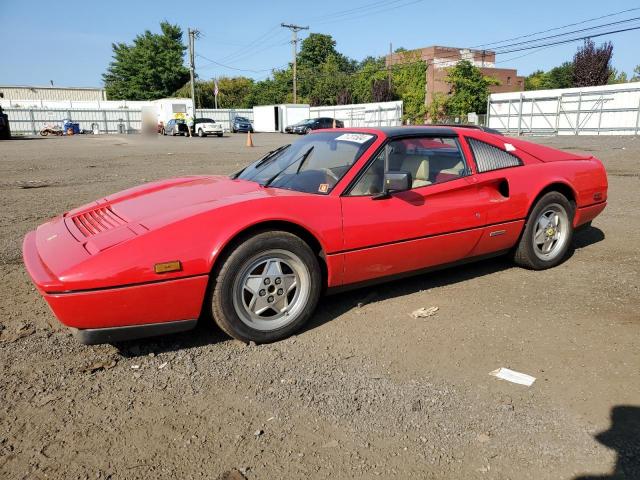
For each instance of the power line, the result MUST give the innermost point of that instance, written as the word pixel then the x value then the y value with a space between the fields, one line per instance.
pixel 570 40
pixel 263 37
pixel 234 68
pixel 558 28
pixel 356 10
pixel 374 12
pixel 567 33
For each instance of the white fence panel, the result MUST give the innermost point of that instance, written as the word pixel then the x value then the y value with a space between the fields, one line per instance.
pixel 605 110
pixel 382 114
pixel 29 121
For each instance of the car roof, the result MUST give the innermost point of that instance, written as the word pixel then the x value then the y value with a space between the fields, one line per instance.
pixel 391 132
pixel 403 131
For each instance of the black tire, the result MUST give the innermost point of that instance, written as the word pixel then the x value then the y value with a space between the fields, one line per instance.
pixel 226 278
pixel 44 133
pixel 219 134
pixel 525 254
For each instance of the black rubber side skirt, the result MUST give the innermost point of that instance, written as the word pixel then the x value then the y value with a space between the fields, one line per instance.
pixel 95 336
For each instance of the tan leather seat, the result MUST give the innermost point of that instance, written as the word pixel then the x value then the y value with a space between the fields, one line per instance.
pixel 419 169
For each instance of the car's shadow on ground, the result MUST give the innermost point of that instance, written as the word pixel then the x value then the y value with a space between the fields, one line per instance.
pixel 333 306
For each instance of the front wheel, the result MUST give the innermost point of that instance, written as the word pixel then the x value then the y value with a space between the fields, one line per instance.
pixel 266 288
pixel 547 234
pixel 201 133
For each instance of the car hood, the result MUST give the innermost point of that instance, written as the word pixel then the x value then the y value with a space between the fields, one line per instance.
pixel 158 203
pixel 76 237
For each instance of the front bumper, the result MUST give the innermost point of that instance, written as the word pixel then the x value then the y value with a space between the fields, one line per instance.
pixel 146 306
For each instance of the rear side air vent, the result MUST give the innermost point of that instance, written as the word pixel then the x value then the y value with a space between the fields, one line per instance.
pixel 490 158
pixel 98 220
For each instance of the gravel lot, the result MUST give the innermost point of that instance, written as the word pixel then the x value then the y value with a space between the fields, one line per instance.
pixel 365 390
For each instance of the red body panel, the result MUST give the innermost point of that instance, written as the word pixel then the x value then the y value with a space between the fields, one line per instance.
pixel 95 264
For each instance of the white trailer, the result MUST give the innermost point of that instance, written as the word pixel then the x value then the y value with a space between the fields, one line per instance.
pixel 168 108
pixel 274 118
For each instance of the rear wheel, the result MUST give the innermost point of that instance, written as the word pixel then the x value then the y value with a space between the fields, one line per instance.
pixel 201 133
pixel 547 234
pixel 266 288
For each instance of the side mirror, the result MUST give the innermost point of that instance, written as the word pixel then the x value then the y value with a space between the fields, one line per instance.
pixel 395 182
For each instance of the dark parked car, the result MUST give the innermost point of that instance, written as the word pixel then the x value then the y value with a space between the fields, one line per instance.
pixel 5 131
pixel 241 124
pixel 313 124
pixel 176 126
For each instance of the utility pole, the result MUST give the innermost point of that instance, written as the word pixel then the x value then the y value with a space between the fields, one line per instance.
pixel 389 64
pixel 294 41
pixel 193 33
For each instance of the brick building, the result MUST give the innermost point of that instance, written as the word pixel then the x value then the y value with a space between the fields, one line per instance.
pixel 439 59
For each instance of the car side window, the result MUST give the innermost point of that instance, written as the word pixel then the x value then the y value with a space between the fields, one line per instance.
pixel 429 160
pixel 490 158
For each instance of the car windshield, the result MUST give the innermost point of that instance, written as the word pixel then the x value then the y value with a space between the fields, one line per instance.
pixel 241 119
pixel 205 120
pixel 313 164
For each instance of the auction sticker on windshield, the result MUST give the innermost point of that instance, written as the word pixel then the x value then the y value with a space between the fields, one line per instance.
pixel 355 137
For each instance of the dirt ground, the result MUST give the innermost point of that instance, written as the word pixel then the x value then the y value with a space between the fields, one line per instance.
pixel 365 390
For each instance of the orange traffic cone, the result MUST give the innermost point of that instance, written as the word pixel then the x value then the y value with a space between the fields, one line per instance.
pixel 249 139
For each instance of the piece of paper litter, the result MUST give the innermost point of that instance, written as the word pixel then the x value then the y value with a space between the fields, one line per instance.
pixel 513 376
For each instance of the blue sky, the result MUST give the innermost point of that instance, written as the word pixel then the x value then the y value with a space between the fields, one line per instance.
pixel 71 44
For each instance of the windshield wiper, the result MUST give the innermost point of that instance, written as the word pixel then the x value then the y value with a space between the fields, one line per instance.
pixel 302 158
pixel 268 156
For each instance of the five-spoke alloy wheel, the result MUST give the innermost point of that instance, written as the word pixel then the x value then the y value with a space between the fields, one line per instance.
pixel 266 288
pixel 547 234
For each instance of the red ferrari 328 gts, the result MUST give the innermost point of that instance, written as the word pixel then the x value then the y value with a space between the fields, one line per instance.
pixel 337 208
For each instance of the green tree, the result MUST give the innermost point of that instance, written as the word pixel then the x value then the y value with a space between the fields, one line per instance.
pixel 149 68
pixel 233 92
pixel 272 90
pixel 437 107
pixel 535 81
pixel 409 80
pixel 330 85
pixel 617 77
pixel 469 89
pixel 370 70
pixel 636 74
pixel 558 77
pixel 317 48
